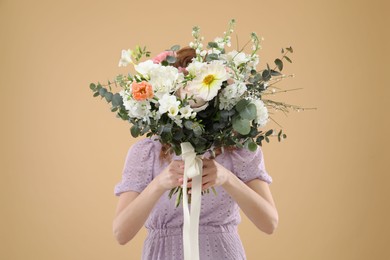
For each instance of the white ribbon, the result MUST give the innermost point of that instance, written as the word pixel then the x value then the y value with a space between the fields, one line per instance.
pixel 192 169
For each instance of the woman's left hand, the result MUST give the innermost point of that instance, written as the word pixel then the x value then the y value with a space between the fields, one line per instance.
pixel 214 174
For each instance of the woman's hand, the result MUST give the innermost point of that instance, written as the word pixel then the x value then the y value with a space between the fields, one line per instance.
pixel 213 175
pixel 171 176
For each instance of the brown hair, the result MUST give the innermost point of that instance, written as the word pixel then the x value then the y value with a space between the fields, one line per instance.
pixel 184 57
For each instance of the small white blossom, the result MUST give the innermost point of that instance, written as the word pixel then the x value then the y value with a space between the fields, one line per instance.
pixel 173 111
pixel 185 112
pixel 125 58
pixel 167 102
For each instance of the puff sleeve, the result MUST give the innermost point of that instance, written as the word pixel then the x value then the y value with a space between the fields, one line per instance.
pixel 138 168
pixel 249 165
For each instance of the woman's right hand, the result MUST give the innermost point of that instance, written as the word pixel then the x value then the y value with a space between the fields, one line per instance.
pixel 171 176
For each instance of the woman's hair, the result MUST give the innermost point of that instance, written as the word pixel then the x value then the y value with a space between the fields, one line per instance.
pixel 184 57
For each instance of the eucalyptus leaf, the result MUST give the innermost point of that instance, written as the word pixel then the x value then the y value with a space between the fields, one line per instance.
pixel 102 91
pixel 266 75
pixel 242 126
pixel 288 59
pixel 211 57
pixel 171 59
pixel 117 100
pixel 92 86
pixel 134 130
pixel 269 132
pixel 198 130
pixel 249 112
pixel 188 124
pixel 212 45
pixel 241 105
pixel 252 146
pixel 175 47
pixel 108 96
pixel 279 64
pixel 275 73
pixel 290 49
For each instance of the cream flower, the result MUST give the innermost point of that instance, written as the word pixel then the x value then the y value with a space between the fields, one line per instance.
pixel 207 84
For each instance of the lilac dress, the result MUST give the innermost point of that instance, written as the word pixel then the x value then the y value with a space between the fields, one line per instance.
pixel 219 217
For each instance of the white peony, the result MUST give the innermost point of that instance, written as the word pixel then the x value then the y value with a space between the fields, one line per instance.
pixel 262 112
pixel 145 67
pixel 125 58
pixel 164 79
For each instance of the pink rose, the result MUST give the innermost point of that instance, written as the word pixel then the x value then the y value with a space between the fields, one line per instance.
pixel 162 56
pixel 197 106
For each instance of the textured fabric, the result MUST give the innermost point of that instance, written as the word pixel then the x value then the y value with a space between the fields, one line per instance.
pixel 219 217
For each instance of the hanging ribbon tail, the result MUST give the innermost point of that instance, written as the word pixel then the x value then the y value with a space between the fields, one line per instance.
pixel 192 169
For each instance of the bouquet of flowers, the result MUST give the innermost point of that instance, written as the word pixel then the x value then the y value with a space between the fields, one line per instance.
pixel 202 94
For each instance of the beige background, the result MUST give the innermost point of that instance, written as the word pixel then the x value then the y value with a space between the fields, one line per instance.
pixel 62 151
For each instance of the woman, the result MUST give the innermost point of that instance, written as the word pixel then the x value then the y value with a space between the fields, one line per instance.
pixel 238 175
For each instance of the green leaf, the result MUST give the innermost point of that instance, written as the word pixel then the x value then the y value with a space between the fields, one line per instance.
pixel 266 75
pixel 188 124
pixel 269 132
pixel 252 146
pixel 171 59
pixel 211 57
pixel 198 130
pixel 275 73
pixel 279 64
pixel 249 112
pixel 108 96
pixel 290 49
pixel 288 59
pixel 117 100
pixel 212 45
pixel 102 91
pixel 96 94
pixel 241 105
pixel 92 86
pixel 242 126
pixel 134 131
pixel 175 47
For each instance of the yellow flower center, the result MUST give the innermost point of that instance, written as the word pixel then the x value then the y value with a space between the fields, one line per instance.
pixel 208 79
